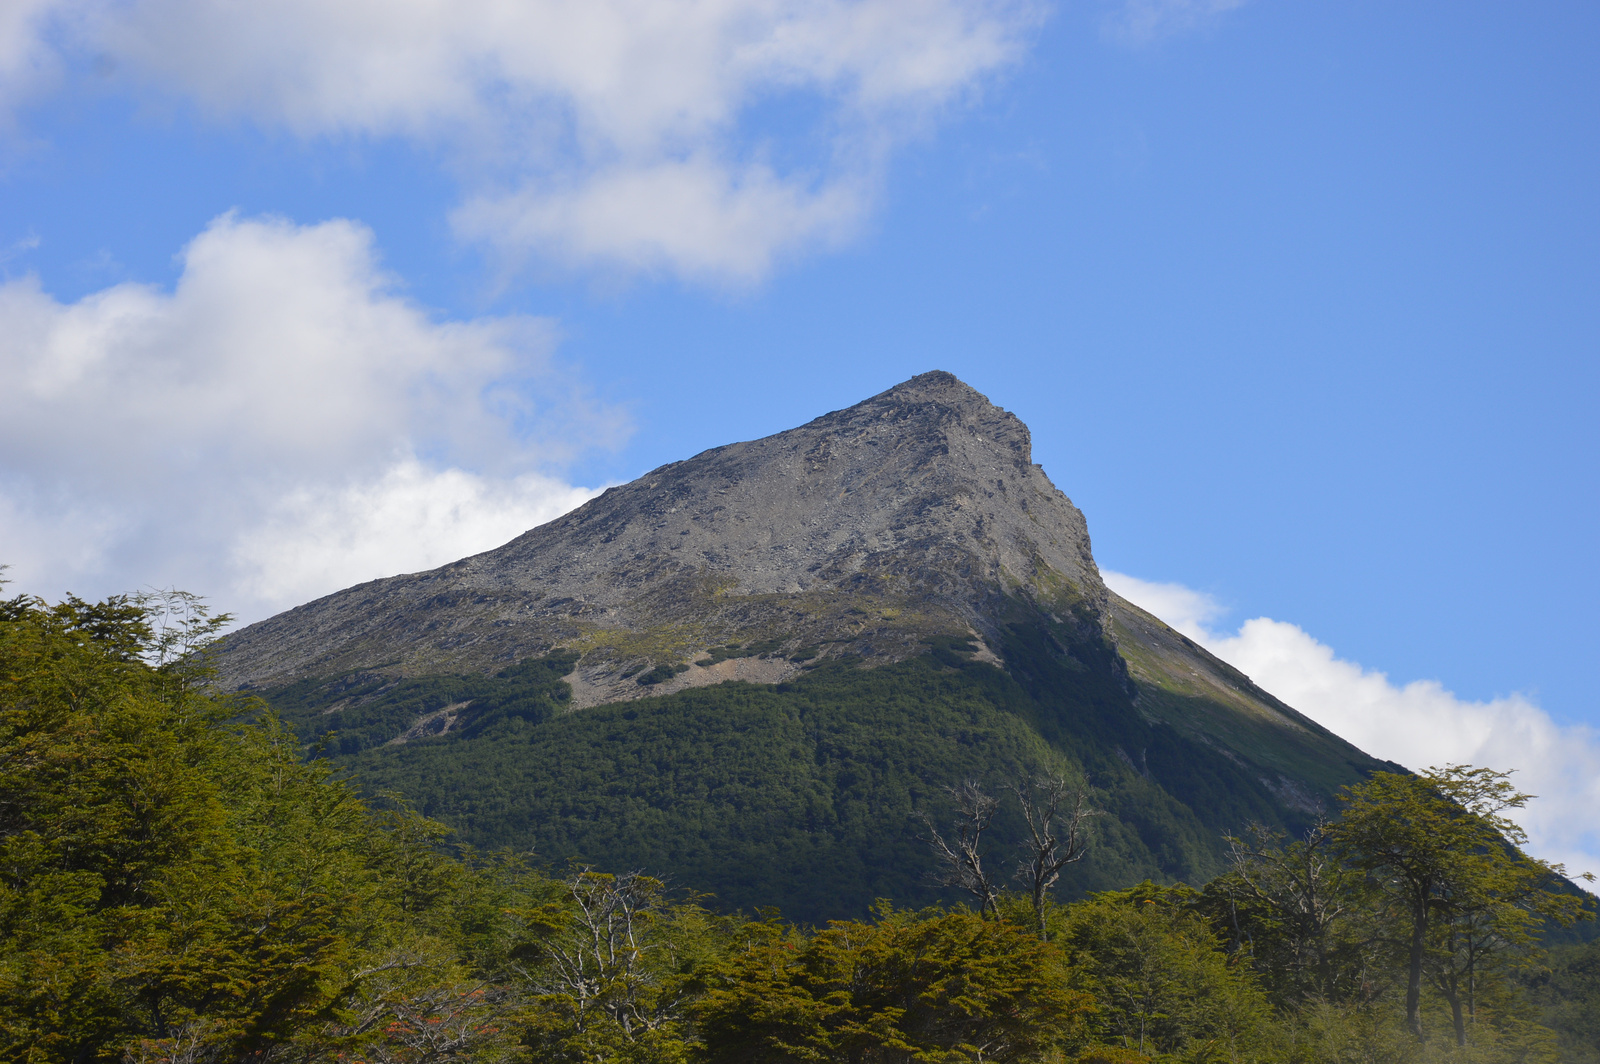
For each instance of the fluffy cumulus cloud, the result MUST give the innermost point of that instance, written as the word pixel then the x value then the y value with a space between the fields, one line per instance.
pixel 621 133
pixel 281 423
pixel 1419 724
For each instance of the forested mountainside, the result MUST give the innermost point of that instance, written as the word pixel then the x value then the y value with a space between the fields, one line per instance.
pixel 807 794
pixel 755 671
pixel 179 885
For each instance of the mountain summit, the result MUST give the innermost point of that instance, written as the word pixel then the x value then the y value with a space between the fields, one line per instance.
pixel 770 659
pixel 917 511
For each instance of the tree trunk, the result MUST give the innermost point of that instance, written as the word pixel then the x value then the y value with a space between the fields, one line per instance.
pixel 1419 936
pixel 1457 1016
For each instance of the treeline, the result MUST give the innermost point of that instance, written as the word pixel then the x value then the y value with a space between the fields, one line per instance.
pixel 179 884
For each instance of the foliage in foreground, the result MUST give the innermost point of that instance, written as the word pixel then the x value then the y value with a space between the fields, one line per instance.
pixel 177 884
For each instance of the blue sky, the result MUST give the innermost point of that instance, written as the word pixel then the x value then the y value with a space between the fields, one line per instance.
pixel 1299 298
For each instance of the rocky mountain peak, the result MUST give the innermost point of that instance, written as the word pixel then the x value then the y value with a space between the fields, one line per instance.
pixel 916 511
pixel 935 391
pixel 936 403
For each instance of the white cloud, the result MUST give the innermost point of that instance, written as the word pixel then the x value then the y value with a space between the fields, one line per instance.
pixel 1144 21
pixel 25 60
pixel 280 424
pixel 410 517
pixel 617 133
pixel 1187 610
pixel 1419 724
pixel 692 216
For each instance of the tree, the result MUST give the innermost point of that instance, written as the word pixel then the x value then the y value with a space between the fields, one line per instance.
pixel 1055 838
pixel 612 967
pixel 962 861
pixel 937 987
pixel 1300 912
pixel 1444 858
pixel 417 1004
pixel 178 884
pixel 1567 995
pixel 1163 982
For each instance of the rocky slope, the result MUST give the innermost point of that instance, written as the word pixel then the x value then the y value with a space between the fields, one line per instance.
pixel 918 511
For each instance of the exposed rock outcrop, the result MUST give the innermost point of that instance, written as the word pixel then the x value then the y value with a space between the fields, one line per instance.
pixel 917 511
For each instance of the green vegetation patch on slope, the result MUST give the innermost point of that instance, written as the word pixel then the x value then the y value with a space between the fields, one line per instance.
pixel 1211 702
pixel 347 714
pixel 807 794
pixel 800 795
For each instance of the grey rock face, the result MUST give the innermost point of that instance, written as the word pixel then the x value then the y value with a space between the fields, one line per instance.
pixel 917 511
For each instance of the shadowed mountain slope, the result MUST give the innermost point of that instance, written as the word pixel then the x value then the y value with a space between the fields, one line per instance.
pixel 753 668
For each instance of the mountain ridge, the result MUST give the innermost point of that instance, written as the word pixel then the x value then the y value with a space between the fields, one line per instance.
pixel 917 498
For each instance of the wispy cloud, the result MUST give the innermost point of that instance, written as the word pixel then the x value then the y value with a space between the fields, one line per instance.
pixel 18 248
pixel 1419 724
pixel 280 424
pixel 613 134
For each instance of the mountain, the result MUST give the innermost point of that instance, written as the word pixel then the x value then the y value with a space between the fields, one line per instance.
pixel 920 501
pixel 752 670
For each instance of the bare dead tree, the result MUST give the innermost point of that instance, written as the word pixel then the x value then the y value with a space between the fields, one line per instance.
pixel 597 963
pixel 962 862
pixel 1320 943
pixel 1057 837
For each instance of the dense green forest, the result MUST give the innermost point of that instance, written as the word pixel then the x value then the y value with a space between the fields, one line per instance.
pixel 180 882
pixel 807 794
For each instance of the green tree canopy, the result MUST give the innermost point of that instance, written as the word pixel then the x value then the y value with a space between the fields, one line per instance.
pixel 935 986
pixel 1455 887
pixel 1162 981
pixel 176 879
pixel 180 884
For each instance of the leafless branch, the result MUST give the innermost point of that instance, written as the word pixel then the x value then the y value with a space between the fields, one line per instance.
pixel 1056 838
pixel 596 966
pixel 962 862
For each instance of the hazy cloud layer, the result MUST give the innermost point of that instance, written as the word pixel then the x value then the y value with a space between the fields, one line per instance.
pixel 280 424
pixel 1419 724
pixel 616 133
